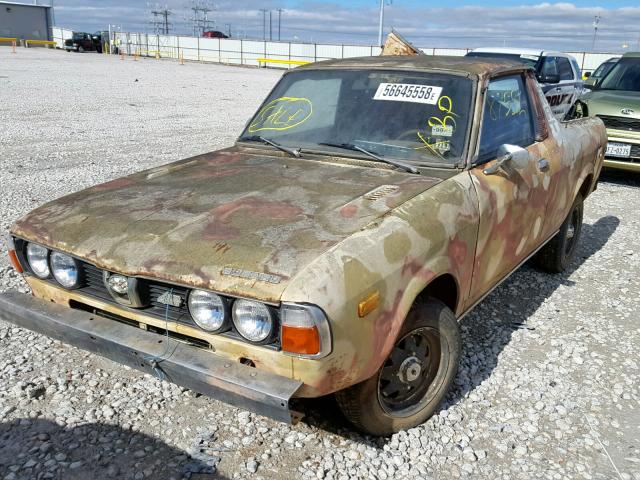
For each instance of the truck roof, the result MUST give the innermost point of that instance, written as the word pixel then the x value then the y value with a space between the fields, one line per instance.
pixel 478 67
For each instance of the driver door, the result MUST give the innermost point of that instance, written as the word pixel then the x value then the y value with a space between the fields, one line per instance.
pixel 512 200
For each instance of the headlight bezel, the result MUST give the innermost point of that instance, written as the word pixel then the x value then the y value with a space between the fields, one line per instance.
pixel 273 317
pixel 32 269
pixel 316 321
pixel 226 324
pixel 78 266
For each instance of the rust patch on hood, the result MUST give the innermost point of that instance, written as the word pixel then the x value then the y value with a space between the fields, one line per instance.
pixel 185 222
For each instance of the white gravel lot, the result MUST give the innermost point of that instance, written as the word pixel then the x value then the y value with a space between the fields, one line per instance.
pixel 549 385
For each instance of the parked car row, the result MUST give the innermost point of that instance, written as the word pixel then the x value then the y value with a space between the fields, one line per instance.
pixel 611 92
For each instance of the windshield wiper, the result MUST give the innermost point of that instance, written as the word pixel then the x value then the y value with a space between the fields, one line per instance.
pixel 356 148
pixel 258 138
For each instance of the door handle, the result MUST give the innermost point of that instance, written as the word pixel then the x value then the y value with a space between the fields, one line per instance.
pixel 543 165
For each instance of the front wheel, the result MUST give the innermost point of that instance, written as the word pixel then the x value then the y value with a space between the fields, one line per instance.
pixel 558 253
pixel 414 379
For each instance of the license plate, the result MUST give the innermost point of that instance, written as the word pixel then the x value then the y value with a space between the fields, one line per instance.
pixel 618 150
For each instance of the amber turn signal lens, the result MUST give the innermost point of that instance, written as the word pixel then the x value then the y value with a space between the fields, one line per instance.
pixel 301 340
pixel 13 258
pixel 369 304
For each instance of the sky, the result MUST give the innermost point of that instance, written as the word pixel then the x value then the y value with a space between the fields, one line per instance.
pixel 566 25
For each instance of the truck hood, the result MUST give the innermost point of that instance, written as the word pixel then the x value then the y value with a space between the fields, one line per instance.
pixel 232 221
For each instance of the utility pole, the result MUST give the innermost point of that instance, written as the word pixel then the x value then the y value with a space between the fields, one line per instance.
pixel 279 22
pixel 264 23
pixel 161 26
pixel 596 22
pixel 381 26
pixel 270 27
pixel 200 19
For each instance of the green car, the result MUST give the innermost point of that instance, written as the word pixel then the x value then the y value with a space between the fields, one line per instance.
pixel 616 100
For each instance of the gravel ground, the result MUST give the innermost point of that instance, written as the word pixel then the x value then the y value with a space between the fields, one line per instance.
pixel 549 385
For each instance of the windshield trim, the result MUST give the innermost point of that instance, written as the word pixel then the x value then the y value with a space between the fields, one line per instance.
pixel 340 153
pixel 461 163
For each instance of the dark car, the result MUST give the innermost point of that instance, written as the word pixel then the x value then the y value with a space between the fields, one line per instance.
pixel 214 34
pixel 81 42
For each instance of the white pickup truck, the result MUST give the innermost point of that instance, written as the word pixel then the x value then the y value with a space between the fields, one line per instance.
pixel 558 73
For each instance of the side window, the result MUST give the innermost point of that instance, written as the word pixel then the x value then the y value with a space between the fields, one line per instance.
pixel 549 67
pixel 506 118
pixel 576 67
pixel 564 69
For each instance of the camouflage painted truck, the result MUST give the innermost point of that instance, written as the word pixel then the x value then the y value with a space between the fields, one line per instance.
pixel 367 206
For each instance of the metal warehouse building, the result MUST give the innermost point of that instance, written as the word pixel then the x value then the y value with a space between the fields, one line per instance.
pixel 22 21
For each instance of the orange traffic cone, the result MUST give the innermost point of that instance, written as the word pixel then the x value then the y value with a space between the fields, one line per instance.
pixel 13 46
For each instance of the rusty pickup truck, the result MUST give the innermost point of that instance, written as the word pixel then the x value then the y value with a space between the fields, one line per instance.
pixel 368 205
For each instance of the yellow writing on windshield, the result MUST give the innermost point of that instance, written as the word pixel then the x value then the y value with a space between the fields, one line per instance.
pixel 504 104
pixel 444 123
pixel 282 113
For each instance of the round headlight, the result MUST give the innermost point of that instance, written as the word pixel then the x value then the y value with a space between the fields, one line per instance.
pixel 65 270
pixel 207 310
pixel 252 320
pixel 37 256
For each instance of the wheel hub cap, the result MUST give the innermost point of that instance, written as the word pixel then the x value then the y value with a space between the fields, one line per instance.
pixel 410 370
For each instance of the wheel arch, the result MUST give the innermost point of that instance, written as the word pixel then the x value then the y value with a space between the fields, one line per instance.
pixel 586 187
pixel 444 288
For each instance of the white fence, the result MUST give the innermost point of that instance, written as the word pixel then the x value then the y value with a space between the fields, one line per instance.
pixel 247 52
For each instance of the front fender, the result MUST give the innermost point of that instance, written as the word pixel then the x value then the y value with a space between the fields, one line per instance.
pixel 397 256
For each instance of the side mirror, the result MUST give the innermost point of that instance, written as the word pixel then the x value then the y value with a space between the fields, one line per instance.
pixel 553 78
pixel 513 154
pixel 587 75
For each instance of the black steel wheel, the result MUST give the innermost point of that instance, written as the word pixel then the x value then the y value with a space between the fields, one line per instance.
pixel 558 253
pixel 408 372
pixel 414 378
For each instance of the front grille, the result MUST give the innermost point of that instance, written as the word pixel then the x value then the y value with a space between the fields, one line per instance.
pixel 93 286
pixel 621 123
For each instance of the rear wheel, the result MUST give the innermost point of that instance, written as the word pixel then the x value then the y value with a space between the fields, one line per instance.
pixel 414 378
pixel 559 252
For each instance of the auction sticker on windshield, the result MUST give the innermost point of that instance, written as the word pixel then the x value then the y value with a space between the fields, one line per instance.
pixel 405 92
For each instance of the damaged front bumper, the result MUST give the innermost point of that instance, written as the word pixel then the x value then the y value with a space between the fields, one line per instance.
pixel 192 367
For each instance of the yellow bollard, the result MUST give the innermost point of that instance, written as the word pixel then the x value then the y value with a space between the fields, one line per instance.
pixel 135 55
pixel 157 54
pixel 182 58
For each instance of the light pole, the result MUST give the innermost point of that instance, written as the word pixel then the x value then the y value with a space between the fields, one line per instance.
pixel 596 22
pixel 381 26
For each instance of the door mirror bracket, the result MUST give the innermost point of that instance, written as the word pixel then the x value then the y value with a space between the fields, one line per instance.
pixel 513 154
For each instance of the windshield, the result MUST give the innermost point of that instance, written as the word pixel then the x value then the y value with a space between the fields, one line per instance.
pixel 625 75
pixel 416 117
pixel 528 60
pixel 603 69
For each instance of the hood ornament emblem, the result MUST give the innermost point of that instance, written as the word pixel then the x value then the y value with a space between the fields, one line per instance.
pixel 128 291
pixel 627 111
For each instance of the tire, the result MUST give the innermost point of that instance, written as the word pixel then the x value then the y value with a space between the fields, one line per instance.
pixel 80 49
pixel 559 252
pixel 372 407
